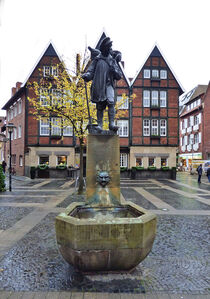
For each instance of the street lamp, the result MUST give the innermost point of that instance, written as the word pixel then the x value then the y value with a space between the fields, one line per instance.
pixel 10 128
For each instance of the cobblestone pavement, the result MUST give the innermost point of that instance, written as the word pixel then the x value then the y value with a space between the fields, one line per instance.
pixel 177 266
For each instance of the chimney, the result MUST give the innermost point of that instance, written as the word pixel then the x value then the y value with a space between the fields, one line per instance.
pixel 13 91
pixel 18 85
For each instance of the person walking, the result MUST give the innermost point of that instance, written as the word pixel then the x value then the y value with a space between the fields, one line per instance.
pixel 208 173
pixel 4 164
pixel 199 170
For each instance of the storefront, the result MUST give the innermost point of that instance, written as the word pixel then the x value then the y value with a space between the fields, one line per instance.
pixel 189 161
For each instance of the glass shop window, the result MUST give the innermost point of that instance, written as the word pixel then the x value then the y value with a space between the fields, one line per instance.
pixel 62 160
pixel 151 161
pixel 164 162
pixel 139 161
pixel 44 159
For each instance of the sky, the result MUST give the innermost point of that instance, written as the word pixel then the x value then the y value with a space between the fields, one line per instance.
pixel 180 28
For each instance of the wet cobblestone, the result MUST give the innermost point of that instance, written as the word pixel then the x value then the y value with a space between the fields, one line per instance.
pixel 178 262
pixel 10 215
pixel 22 199
pixel 134 196
pixel 178 201
pixel 71 198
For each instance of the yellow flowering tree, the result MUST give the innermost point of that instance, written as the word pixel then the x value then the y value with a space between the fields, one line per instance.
pixel 65 96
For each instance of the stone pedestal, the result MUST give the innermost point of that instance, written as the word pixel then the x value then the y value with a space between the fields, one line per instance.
pixel 103 157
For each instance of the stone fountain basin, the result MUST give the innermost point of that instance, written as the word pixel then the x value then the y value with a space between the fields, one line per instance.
pixel 105 239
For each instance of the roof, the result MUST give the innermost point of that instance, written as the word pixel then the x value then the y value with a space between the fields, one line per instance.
pixel 156 52
pixel 193 94
pixel 48 51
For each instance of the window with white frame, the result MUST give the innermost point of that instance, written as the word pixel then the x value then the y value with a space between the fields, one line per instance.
pixel 163 127
pixel 56 97
pixel 191 139
pixel 123 160
pixel 123 128
pixel 196 119
pixel 50 71
pixel 196 139
pixel 11 113
pixel 155 73
pixel 146 127
pixel 44 97
pixel 163 74
pixel 20 160
pixel 15 133
pixel 124 102
pixel 151 161
pixel 154 127
pixel 15 110
pixel 44 126
pixel 163 98
pixel 55 126
pixel 146 73
pixel 154 98
pixel 19 131
pixel 146 98
pixel 19 107
pixel 68 131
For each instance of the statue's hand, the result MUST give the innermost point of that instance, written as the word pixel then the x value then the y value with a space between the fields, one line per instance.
pixel 85 77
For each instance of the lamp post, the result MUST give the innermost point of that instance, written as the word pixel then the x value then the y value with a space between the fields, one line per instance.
pixel 10 128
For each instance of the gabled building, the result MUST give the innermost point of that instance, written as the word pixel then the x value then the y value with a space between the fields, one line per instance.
pixel 35 142
pixel 154 114
pixel 195 126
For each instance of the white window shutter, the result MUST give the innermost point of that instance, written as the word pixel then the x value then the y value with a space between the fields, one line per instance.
pixel 199 137
pixel 185 123
pixel 199 118
pixel 185 140
pixel 180 141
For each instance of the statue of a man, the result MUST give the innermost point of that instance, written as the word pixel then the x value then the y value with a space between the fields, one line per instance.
pixel 104 70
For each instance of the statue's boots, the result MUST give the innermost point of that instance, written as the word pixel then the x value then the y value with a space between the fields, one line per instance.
pixel 100 114
pixel 111 113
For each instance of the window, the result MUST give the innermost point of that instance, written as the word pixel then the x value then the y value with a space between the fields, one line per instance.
pixel 196 119
pixel 146 127
pixel 163 128
pixel 164 162
pixel 162 98
pixel 56 97
pixel 154 127
pixel 155 98
pixel 191 139
pixel 155 73
pixel 50 71
pixel 15 133
pixel 151 161
pixel 20 160
pixel 146 73
pixel 68 131
pixel 163 74
pixel 13 159
pixel 123 160
pixel 139 161
pixel 124 104
pixel 56 126
pixel 19 131
pixel 44 126
pixel 196 139
pixel 44 159
pixel 19 106
pixel 62 159
pixel 15 110
pixel 146 98
pixel 44 97
pixel 11 113
pixel 123 128
pixel 8 115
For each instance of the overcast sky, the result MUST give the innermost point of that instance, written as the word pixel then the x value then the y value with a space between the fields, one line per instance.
pixel 180 28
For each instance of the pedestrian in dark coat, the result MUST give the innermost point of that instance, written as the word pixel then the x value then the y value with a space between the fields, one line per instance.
pixel 4 164
pixel 199 170
pixel 208 173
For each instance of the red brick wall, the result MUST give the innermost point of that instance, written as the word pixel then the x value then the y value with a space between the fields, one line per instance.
pixel 206 124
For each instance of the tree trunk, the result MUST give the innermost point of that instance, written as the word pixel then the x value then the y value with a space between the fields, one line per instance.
pixel 81 179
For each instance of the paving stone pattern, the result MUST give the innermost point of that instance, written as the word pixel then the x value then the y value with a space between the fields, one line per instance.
pixel 10 215
pixel 134 196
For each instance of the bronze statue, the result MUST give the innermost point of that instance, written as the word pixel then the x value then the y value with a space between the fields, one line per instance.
pixel 103 71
